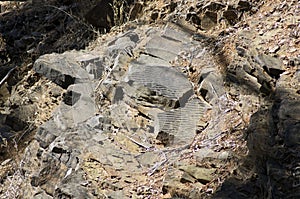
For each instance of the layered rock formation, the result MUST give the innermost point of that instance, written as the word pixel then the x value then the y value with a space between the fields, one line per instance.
pixel 162 111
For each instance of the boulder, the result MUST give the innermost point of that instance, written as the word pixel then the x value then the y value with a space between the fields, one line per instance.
pixel 67 68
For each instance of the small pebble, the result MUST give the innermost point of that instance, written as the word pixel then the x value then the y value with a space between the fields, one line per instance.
pixel 292 50
pixel 274 49
pixel 261 32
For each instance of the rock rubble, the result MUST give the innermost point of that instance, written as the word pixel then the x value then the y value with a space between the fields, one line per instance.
pixel 188 109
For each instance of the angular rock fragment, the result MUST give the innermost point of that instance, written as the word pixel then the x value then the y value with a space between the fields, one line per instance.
pixel 64 69
pixel 47 133
pixel 42 195
pixel 70 97
pixel 92 64
pixel 160 79
pixel 271 65
pixel 85 106
pixel 210 84
pixel 203 175
pixel 177 183
pixel 207 153
pixel 150 159
pixel 178 127
pixel 171 33
pixel 123 44
pixel 172 182
pixel 162 48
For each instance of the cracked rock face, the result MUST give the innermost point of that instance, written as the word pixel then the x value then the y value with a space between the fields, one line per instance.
pixel 160 112
pixel 150 103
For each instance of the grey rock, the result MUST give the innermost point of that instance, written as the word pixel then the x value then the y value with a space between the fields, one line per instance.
pixel 119 95
pixel 274 49
pixel 17 120
pixel 85 107
pixel 172 181
pixel 65 69
pixel 92 64
pixel 82 107
pixel 162 48
pixel 151 159
pixel 205 153
pixel 253 82
pixel 57 161
pixel 160 79
pixel 42 195
pixel 210 84
pixel 178 127
pixel 201 174
pixel 70 97
pixel 271 65
pixel 97 121
pixel 150 60
pixel 47 133
pixel 122 44
pixel 176 183
pixel 71 186
pixel 172 34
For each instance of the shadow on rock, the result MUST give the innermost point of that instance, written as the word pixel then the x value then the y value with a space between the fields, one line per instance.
pixel 25 34
pixel 271 168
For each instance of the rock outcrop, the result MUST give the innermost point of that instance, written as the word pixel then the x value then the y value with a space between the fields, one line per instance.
pixel 161 110
pixel 143 100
